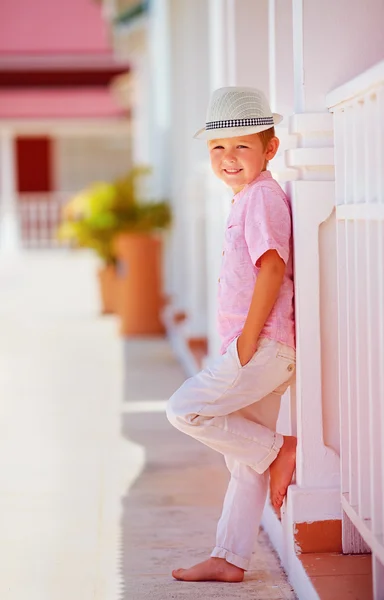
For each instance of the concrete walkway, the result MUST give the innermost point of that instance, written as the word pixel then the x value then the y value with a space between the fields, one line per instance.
pixel 99 497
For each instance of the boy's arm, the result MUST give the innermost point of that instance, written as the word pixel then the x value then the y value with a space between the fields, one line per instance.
pixel 267 287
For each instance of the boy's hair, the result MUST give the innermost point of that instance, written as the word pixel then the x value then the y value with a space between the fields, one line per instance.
pixel 266 135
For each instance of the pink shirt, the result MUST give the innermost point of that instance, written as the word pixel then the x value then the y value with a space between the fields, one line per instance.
pixel 260 220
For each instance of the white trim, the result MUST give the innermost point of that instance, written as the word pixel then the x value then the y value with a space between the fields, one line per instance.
pixel 358 86
pixel 310 157
pixel 272 53
pixel 298 55
pixel 315 504
pixel 310 123
pixel 231 41
pixel 317 465
pixel 9 225
pixel 218 45
pixel 366 212
pixel 284 547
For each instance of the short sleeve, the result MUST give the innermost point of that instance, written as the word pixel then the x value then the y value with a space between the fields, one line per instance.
pixel 267 224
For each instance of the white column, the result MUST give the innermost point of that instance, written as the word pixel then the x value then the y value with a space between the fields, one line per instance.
pixel 159 41
pixel 281 83
pixel 184 159
pixel 319 67
pixel 159 30
pixel 237 56
pixel 315 497
pixel 133 90
pixel 141 121
pixel 9 225
pixel 325 55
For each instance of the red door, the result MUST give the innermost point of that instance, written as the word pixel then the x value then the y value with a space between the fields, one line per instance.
pixel 34 164
pixel 38 215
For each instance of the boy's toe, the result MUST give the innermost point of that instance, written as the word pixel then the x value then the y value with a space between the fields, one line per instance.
pixel 177 573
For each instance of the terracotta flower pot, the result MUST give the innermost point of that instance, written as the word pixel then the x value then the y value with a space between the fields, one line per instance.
pixel 139 283
pixel 107 286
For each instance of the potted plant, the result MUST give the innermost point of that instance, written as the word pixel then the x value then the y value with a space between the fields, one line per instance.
pixel 123 227
pixel 89 222
pixel 138 248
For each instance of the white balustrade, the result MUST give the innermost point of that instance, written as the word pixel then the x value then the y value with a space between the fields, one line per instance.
pixel 39 218
pixel 358 109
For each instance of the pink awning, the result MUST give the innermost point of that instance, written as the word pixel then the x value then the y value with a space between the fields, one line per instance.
pixel 52 103
pixel 49 26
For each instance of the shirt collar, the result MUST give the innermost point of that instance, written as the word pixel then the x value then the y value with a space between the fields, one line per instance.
pixel 263 176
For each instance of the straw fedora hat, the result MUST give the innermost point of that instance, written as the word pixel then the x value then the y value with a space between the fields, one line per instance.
pixel 237 111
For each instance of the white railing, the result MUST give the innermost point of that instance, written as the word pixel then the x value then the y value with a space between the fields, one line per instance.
pixel 39 217
pixel 358 109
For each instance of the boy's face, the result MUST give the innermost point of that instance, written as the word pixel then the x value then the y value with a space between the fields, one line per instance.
pixel 238 161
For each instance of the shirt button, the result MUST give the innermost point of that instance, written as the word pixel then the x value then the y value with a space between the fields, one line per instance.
pixel 290 367
pixel 233 200
pixel 218 280
pixel 223 252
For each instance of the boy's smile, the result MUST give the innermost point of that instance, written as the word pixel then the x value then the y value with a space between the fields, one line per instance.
pixel 240 160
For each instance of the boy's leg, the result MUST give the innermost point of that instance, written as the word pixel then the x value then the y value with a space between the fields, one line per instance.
pixel 246 494
pixel 242 510
pixel 207 406
pixel 240 519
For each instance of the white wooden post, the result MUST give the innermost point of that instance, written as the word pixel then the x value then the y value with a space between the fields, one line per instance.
pixel 315 497
pixel 9 224
pixel 159 34
pixel 141 122
pixel 280 53
pixel 183 158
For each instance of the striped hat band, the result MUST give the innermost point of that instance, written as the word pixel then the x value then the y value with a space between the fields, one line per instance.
pixel 255 121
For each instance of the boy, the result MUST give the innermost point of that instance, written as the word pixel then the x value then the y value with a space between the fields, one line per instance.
pixel 232 405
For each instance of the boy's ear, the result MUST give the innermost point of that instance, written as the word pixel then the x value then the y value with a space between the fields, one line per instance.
pixel 272 148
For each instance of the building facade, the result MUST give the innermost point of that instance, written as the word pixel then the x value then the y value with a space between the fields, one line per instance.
pixel 60 125
pixel 321 64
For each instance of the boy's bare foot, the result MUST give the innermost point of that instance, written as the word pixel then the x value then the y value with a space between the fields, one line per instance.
pixel 213 569
pixel 281 471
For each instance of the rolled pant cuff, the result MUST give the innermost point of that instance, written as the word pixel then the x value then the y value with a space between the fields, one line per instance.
pixel 230 557
pixel 274 451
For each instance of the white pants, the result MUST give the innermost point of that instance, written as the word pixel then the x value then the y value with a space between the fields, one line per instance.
pixel 234 409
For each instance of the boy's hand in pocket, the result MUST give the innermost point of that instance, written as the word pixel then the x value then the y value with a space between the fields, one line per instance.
pixel 245 350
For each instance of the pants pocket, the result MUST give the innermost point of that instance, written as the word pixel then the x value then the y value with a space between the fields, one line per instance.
pixel 236 353
pixel 287 356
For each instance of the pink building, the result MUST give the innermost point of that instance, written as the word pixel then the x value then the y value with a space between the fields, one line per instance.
pixel 60 126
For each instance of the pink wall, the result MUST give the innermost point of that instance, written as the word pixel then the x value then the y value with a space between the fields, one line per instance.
pixel 57 26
